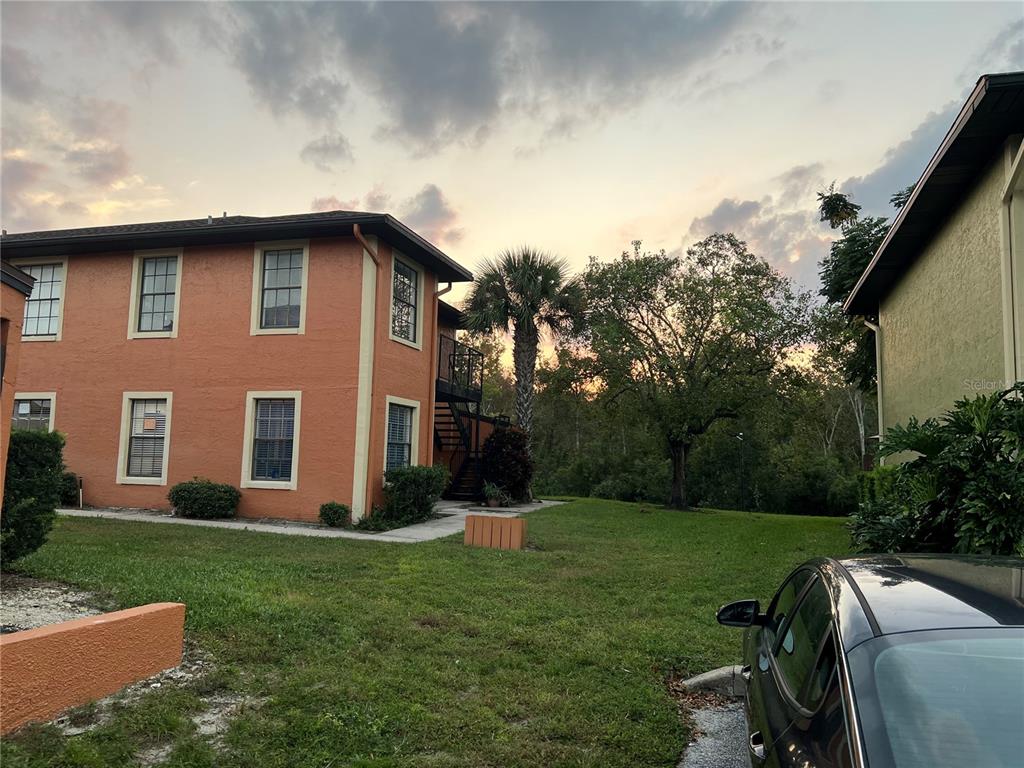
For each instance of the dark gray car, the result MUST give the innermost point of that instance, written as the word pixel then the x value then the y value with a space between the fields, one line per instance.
pixel 894 661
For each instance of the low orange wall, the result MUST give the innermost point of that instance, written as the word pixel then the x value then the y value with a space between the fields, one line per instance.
pixel 495 532
pixel 47 670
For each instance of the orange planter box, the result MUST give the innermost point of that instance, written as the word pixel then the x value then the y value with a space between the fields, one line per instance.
pixel 47 670
pixel 495 532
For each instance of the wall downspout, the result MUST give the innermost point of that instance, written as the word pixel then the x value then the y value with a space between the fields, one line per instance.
pixel 435 366
pixel 877 330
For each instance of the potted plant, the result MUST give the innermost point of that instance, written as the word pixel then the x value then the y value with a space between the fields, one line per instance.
pixel 495 496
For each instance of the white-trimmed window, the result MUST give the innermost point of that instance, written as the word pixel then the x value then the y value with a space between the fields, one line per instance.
pixel 155 294
pixel 145 438
pixel 406 302
pixel 401 433
pixel 44 309
pixel 280 283
pixel 34 411
pixel 270 454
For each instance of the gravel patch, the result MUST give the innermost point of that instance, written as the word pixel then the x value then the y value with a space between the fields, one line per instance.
pixel 722 738
pixel 29 603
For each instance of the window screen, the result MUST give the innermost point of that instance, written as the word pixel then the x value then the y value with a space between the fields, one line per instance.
pixel 273 439
pixel 147 438
pixel 31 414
pixel 42 309
pixel 282 288
pixel 403 305
pixel 399 448
pixel 156 294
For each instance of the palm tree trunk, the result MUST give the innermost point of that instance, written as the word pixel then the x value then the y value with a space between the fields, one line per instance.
pixel 525 339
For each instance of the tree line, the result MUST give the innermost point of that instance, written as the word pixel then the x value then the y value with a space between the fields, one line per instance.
pixel 704 378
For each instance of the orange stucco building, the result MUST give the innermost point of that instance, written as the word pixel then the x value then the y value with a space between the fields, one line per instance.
pixel 295 357
pixel 15 286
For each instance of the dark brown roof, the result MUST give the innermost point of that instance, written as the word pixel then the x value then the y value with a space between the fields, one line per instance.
pixel 993 112
pixel 227 229
pixel 450 315
pixel 14 277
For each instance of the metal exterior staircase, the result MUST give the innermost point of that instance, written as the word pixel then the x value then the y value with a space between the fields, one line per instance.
pixel 453 432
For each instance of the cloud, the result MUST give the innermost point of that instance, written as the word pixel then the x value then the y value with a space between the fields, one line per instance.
pixel 89 117
pixel 441 73
pixel 377 199
pixel 99 163
pixel 327 151
pixel 1004 53
pixel 783 231
pixel 20 74
pixel 903 163
pixel 799 185
pixel 332 203
pixel 20 175
pixel 284 55
pixel 829 91
pixel 444 73
pixel 430 214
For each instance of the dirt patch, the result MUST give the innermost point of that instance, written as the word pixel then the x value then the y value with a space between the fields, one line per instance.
pixel 27 603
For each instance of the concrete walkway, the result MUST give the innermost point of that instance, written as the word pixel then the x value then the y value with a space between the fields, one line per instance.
pixel 451 520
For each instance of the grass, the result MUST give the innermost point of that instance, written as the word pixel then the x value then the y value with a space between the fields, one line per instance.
pixel 369 654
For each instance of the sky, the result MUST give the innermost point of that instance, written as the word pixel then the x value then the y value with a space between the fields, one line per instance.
pixel 572 127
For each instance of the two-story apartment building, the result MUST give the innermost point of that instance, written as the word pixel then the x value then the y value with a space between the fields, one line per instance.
pixel 944 294
pixel 295 357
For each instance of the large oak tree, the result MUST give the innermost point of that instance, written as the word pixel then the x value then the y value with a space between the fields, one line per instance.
pixel 691 336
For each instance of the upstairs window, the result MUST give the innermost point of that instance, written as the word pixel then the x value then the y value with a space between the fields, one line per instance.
pixel 158 289
pixel 33 412
pixel 43 307
pixel 405 288
pixel 281 293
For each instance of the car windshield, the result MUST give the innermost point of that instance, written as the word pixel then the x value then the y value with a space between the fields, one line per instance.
pixel 934 699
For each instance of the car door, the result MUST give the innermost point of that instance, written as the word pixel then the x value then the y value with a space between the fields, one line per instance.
pixel 802 666
pixel 762 694
pixel 825 737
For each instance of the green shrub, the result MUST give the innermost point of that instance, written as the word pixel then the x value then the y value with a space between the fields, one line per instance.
pixel 843 494
pixel 203 499
pixel 31 492
pixel 69 489
pixel 493 492
pixel 876 484
pixel 964 491
pixel 335 515
pixel 506 462
pixel 411 492
pixel 375 521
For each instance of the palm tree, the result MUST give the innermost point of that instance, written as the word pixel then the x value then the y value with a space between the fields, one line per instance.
pixel 524 292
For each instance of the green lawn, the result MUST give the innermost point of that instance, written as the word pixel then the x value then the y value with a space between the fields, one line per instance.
pixel 369 654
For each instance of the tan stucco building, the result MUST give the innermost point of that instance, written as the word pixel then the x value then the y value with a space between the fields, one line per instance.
pixel 945 291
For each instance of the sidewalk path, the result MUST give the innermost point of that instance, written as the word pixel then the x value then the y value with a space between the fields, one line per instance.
pixel 451 520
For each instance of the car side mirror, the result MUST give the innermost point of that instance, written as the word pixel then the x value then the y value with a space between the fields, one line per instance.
pixel 742 613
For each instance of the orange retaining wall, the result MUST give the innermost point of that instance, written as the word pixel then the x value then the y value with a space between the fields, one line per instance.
pixel 495 532
pixel 47 670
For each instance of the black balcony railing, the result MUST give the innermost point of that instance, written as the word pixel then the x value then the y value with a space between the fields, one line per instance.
pixel 460 369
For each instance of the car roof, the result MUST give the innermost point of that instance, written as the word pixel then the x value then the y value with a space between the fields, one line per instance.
pixel 887 594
